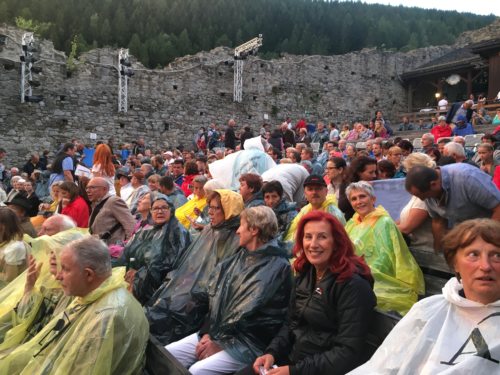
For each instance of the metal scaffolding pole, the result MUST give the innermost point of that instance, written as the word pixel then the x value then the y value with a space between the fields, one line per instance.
pixel 240 54
pixel 124 74
pixel 27 45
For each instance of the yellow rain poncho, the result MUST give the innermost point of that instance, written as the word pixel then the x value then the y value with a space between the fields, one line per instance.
pixel 40 249
pixel 329 205
pixel 19 311
pixel 188 209
pixel 398 278
pixel 104 332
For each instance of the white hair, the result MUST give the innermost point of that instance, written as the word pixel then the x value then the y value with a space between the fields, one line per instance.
pixel 428 135
pixel 64 222
pixel 454 149
pixel 91 252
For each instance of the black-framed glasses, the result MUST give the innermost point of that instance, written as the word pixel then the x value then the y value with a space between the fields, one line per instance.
pixel 158 209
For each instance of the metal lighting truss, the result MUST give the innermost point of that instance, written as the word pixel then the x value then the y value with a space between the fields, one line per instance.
pixel 240 54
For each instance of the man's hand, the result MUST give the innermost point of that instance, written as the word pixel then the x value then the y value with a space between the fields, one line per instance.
pixel 266 360
pixel 206 348
pixel 32 275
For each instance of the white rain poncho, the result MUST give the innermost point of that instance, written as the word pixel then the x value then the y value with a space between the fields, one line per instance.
pixel 251 160
pixel 442 334
pixel 291 177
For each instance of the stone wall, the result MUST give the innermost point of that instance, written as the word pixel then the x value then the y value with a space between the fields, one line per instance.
pixel 167 106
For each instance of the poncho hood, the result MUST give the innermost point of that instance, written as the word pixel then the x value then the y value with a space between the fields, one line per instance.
pixel 232 203
pixel 451 292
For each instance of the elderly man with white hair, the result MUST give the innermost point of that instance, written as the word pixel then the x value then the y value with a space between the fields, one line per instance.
pixel 103 330
pixel 427 141
pixel 110 219
pixel 457 152
pixel 28 303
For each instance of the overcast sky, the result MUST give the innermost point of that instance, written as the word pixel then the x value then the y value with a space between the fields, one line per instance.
pixel 479 7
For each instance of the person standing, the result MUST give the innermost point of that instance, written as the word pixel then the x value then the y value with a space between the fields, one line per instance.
pixel 230 136
pixel 63 166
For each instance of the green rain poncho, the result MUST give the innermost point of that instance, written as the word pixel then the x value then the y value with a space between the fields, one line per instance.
pixel 22 314
pixel 179 306
pixel 398 278
pixel 103 333
pixel 156 251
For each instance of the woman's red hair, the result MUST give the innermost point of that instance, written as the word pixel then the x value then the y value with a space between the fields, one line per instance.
pixel 343 261
pixel 104 158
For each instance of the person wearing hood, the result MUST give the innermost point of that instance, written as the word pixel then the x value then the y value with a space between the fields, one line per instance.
pixel 153 251
pixel 179 306
pixel 398 278
pixel 458 331
pixel 331 307
pixel 462 127
pixel 250 185
pixel 248 301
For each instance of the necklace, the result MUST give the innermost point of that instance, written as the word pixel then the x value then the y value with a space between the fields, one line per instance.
pixel 319 276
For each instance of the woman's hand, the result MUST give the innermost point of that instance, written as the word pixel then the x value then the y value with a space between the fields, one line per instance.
pixel 53 263
pixel 206 348
pixel 283 370
pixel 129 278
pixel 32 275
pixel 266 360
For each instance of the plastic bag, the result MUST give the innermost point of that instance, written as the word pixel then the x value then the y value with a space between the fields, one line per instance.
pixel 398 278
pixel 229 169
pixel 291 177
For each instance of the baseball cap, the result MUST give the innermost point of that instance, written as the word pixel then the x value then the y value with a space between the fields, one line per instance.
pixel 314 180
pixel 461 118
pixel 441 118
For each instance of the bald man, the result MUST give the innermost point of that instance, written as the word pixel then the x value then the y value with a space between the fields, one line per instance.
pixel 110 219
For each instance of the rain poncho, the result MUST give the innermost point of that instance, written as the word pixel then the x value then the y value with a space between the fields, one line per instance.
pixel 249 295
pixel 291 177
pixel 442 334
pixel 104 332
pixel 178 307
pixel 40 249
pixel 398 278
pixel 156 251
pixel 329 205
pixel 285 213
pixel 251 160
pixel 188 209
pixel 23 314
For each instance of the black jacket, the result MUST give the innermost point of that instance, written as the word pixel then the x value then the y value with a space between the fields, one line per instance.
pixel 328 325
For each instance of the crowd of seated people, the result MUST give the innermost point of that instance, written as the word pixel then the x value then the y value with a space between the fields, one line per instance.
pixel 195 248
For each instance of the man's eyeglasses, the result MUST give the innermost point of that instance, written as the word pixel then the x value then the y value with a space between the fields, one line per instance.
pixel 93 187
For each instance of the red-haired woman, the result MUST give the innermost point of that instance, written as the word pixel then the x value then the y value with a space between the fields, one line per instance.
pixel 332 306
pixel 103 166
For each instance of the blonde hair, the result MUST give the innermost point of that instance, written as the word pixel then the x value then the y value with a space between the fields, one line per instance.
pixel 416 159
